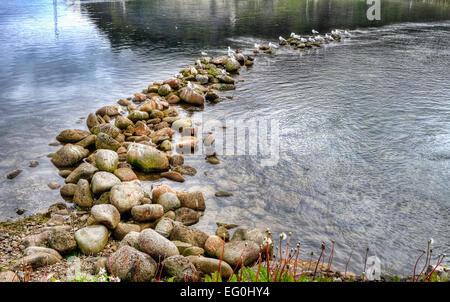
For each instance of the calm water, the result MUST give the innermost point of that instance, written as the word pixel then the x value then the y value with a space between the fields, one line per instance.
pixel 365 123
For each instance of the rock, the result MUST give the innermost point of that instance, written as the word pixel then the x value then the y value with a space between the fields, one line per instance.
pixel 130 239
pixel 232 65
pixel 33 164
pixel 223 87
pixel 69 155
pixel 125 196
pixel 157 114
pixel 223 233
pixel 64 173
pixel 125 174
pixel 203 79
pixel 92 239
pixel 164 90
pixel 147 212
pixel 179 267
pixel 103 199
pixel 107 110
pixel 193 251
pixel 176 160
pixel 87 141
pixel 175 176
pixel 164 227
pixel 210 266
pixel 173 99
pixel 141 128
pixel 212 244
pixel 173 83
pixel 62 241
pixel 123 102
pixel 37 258
pixel 103 181
pixel 160 190
pixel 191 96
pixel 213 160
pixel 147 158
pixel 104 141
pixel 83 196
pixel 92 120
pixel 106 214
pixel 68 190
pixel 228 226
pixel 123 229
pixel 129 264
pixel 137 115
pixel 107 128
pixel 223 194
pixel 253 234
pixel 166 145
pixel 156 245
pixel 189 235
pixel 233 251
pixel 192 200
pixel 169 201
pixel 181 123
pixel 186 216
pixel 53 186
pixel 72 135
pixel 185 170
pixel 225 79
pixel 84 170
pixel 20 211
pixel 122 122
pixel 106 160
pixel 9 276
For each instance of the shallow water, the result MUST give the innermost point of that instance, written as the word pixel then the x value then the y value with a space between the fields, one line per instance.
pixel 364 123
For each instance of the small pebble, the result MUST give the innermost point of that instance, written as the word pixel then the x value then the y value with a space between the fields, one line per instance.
pixel 20 211
pixel 53 186
pixel 33 163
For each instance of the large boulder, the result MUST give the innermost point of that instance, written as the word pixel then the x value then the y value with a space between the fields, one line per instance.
pixel 84 170
pixel 129 264
pixel 179 267
pixel 103 181
pixel 147 158
pixel 210 266
pixel 191 96
pixel 156 245
pixel 83 195
pixel 69 155
pixel 147 212
pixel 106 214
pixel 106 160
pixel 125 196
pixel 189 235
pixel 92 239
pixel 239 252
pixel 71 135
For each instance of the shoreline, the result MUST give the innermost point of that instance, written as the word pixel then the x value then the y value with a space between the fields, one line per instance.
pixel 136 137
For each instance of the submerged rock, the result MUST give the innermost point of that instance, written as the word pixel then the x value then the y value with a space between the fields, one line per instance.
pixel 13 174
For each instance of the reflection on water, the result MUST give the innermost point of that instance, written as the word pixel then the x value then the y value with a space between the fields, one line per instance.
pixel 364 155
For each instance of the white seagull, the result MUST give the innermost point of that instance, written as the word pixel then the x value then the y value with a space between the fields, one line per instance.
pixel 281 39
pixel 230 52
pixel 271 45
pixel 256 45
pixel 311 40
pixel 314 31
pixel 319 38
pixel 204 53
pixel 303 40
pixel 328 37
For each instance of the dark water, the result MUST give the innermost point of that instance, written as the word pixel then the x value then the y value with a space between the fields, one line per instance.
pixel 365 123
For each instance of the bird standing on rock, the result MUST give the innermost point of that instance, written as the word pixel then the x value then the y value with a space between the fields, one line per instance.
pixel 315 32
pixel 271 45
pixel 230 52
